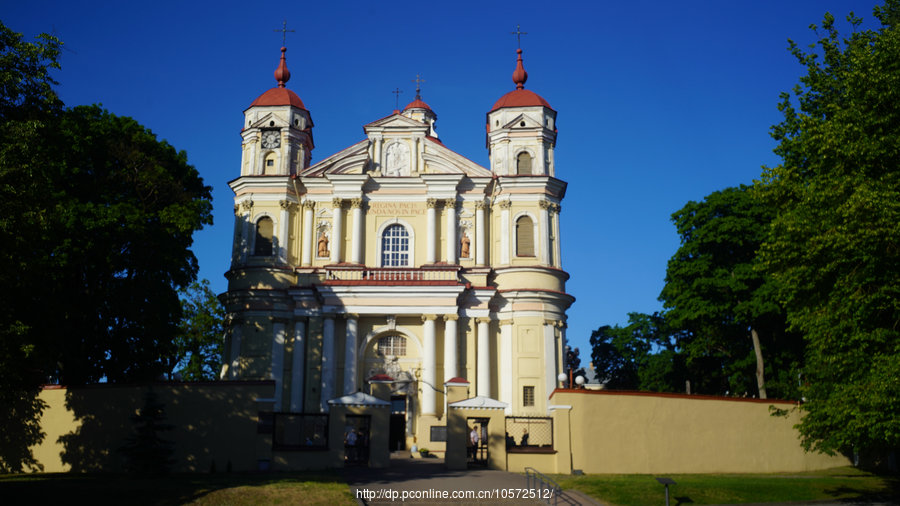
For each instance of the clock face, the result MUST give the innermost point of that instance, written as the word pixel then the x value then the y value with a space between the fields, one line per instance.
pixel 271 139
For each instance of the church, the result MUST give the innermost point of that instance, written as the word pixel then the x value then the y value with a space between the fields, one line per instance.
pixel 399 261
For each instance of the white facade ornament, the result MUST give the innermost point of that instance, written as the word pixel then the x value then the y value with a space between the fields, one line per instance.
pixel 396 160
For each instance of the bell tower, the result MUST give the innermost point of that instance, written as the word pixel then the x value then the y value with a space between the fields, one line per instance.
pixel 277 133
pixel 521 131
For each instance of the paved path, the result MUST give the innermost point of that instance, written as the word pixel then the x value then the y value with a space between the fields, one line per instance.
pixel 424 481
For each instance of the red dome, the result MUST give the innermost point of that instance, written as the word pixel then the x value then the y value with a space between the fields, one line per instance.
pixel 520 98
pixel 279 96
pixel 417 104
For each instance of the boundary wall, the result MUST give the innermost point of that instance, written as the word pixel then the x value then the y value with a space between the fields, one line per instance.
pixel 649 433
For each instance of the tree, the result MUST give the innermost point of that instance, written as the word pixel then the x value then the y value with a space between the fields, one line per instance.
pixel 97 217
pixel 199 340
pixel 724 303
pixel 146 453
pixel 834 243
pixel 26 100
pixel 639 356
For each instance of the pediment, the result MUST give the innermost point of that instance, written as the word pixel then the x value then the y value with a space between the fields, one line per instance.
pixel 523 118
pixel 441 160
pixel 352 160
pixel 396 122
pixel 265 120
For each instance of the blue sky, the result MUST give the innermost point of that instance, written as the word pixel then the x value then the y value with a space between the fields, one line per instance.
pixel 659 102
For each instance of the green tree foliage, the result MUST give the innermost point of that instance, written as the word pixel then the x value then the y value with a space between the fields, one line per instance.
pixel 146 452
pixel 732 330
pixel 834 247
pixel 26 101
pixel 96 217
pixel 639 356
pixel 199 340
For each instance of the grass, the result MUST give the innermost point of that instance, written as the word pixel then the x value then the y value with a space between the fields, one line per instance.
pixel 833 484
pixel 199 489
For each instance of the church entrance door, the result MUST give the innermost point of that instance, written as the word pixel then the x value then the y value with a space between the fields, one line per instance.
pixel 397 438
pixel 477 441
pixel 356 440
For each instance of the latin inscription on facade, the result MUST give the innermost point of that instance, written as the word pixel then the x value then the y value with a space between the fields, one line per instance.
pixel 395 208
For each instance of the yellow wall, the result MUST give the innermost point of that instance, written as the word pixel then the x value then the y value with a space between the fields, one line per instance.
pixel 213 422
pixel 620 432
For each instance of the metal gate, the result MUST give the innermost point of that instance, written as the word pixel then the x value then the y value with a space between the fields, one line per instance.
pixel 356 440
pixel 477 441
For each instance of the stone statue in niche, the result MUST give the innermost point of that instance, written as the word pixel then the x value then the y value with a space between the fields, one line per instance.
pixel 464 244
pixel 397 160
pixel 323 245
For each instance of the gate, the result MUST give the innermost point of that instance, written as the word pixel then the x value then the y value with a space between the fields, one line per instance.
pixel 477 441
pixel 356 440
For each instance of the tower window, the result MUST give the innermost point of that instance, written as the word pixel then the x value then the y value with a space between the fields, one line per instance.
pixel 269 165
pixel 523 164
pixel 264 237
pixel 271 123
pixel 524 237
pixel 395 247
pixel 521 123
pixel 528 396
pixel 394 346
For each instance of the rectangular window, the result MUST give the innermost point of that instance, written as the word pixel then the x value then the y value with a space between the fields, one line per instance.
pixel 528 396
pixel 439 433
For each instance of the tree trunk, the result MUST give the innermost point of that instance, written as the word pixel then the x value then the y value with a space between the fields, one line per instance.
pixel 760 378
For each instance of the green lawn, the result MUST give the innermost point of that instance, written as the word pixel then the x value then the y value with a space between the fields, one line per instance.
pixel 200 489
pixel 832 484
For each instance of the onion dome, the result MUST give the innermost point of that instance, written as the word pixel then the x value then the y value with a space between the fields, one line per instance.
pixel 280 95
pixel 520 97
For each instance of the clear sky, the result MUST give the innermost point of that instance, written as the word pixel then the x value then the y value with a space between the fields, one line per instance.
pixel 658 102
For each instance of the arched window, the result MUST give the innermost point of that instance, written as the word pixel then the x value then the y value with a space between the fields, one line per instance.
pixel 395 247
pixel 524 237
pixel 523 163
pixel 269 164
pixel 394 346
pixel 264 235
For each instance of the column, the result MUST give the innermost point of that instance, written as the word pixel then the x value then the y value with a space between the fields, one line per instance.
pixel 480 234
pixel 238 237
pixel 429 367
pixel 451 333
pixel 357 254
pixel 505 232
pixel 328 362
pixel 350 354
pixel 298 360
pixel 431 239
pixel 551 365
pixel 246 206
pixel 505 363
pixel 284 230
pixel 337 230
pixel 544 231
pixel 277 373
pixel 377 158
pixel 415 156
pixel 307 247
pixel 483 379
pixel 234 370
pixel 450 210
pixel 554 227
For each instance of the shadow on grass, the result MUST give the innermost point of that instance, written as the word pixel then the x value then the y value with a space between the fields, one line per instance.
pixel 683 500
pixel 113 488
pixel 890 493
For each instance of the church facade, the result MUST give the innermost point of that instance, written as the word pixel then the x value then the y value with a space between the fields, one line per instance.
pixel 398 259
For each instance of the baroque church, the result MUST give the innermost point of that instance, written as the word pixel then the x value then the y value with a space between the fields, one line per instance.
pixel 398 260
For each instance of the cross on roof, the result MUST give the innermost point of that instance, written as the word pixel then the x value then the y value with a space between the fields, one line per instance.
pixel 283 31
pixel 397 92
pixel 418 80
pixel 519 33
